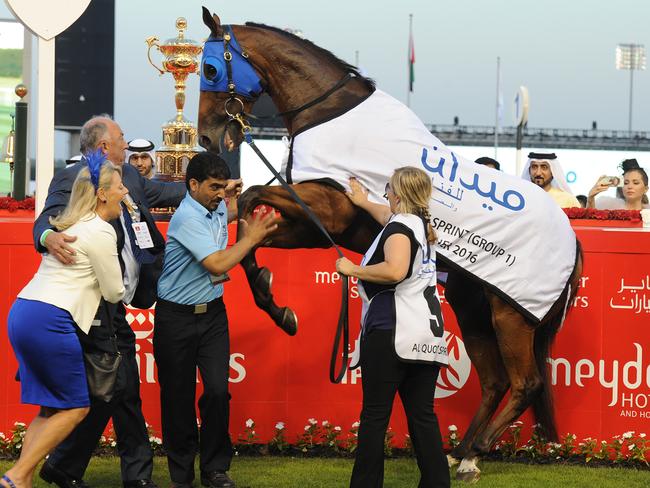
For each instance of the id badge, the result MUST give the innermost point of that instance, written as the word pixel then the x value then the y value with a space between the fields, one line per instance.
pixel 142 235
pixel 218 279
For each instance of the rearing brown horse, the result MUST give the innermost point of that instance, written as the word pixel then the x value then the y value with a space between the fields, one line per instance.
pixel 309 85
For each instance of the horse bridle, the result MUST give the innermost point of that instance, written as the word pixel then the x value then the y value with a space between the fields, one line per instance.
pixel 342 329
pixel 240 116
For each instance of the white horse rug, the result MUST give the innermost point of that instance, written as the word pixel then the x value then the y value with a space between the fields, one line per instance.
pixel 502 229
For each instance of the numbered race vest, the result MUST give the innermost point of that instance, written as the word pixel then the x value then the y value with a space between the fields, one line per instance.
pixel 419 331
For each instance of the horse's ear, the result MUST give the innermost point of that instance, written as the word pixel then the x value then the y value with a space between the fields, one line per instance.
pixel 213 22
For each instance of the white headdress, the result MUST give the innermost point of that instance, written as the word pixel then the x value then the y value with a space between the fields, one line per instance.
pixel 137 146
pixel 559 180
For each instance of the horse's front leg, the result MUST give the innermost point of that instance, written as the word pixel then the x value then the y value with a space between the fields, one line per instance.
pixel 260 281
pixel 294 231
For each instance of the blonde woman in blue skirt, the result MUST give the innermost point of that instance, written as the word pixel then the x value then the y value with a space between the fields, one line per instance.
pixel 60 299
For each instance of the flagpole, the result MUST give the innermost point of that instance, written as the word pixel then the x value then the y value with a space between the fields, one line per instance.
pixel 496 112
pixel 410 65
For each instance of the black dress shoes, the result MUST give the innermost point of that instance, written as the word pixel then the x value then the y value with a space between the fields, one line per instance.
pixel 217 479
pixel 50 474
pixel 140 484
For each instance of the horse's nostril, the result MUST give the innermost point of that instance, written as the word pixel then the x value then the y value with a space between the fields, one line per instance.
pixel 205 142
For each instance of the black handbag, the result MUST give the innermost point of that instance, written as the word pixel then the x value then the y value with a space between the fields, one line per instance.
pixel 102 367
pixel 101 373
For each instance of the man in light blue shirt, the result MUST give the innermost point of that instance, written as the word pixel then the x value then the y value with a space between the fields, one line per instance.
pixel 191 328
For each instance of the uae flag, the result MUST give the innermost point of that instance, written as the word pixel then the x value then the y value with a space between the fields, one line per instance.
pixel 411 62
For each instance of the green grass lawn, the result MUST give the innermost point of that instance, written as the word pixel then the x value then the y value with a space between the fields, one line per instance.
pixel 284 472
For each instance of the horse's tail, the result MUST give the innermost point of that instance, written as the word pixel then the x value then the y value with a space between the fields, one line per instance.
pixel 543 403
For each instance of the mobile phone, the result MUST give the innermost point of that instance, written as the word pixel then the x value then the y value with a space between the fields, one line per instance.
pixel 610 181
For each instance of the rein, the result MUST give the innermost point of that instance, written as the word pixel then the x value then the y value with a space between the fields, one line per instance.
pixel 238 116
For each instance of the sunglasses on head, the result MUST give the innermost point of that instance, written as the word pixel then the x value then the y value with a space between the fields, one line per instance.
pixel 386 190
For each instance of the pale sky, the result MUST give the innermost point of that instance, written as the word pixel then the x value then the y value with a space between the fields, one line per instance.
pixel 11 35
pixel 563 51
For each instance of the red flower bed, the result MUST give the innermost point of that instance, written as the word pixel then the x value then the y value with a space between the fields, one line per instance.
pixel 595 214
pixel 8 203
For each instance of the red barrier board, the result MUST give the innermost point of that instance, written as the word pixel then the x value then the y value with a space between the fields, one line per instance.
pixel 600 363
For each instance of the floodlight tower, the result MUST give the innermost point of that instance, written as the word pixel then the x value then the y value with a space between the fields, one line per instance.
pixel 630 57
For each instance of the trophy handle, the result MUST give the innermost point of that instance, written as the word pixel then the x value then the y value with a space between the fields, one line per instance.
pixel 151 42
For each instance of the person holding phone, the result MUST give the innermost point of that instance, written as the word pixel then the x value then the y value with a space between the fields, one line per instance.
pixel 634 189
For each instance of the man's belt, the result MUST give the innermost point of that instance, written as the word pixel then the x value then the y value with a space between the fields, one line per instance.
pixel 197 309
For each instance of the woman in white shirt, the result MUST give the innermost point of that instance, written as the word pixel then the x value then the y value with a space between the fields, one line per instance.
pixel 634 191
pixel 42 320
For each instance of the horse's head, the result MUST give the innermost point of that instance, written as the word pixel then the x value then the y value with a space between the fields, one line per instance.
pixel 308 84
pixel 229 88
pixel 217 129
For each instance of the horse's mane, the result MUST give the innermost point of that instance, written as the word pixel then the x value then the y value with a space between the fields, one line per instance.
pixel 347 67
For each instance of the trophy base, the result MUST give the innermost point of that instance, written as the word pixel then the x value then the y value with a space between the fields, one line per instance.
pixel 162 214
pixel 170 166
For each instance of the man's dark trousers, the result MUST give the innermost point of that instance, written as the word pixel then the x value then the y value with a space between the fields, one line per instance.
pixel 136 456
pixel 184 340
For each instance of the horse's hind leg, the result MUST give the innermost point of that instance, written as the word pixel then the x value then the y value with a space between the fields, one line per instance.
pixel 473 314
pixel 515 337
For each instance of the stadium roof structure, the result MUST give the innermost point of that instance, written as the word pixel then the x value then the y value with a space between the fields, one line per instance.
pixel 478 135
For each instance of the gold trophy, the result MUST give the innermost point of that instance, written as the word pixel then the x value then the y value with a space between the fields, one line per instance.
pixel 179 134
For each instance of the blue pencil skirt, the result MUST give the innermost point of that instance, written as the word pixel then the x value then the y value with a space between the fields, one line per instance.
pixel 50 360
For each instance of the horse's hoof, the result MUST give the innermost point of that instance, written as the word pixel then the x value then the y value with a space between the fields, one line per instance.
pixel 468 470
pixel 452 461
pixel 289 322
pixel 468 476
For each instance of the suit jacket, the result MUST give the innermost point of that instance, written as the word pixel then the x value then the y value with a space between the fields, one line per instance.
pixel 146 194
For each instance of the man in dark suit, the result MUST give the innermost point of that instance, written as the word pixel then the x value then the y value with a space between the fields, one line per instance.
pixel 140 269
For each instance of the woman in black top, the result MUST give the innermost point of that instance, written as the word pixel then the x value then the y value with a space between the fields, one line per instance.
pixel 402 343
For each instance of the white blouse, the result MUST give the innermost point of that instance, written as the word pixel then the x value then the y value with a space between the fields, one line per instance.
pixel 78 287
